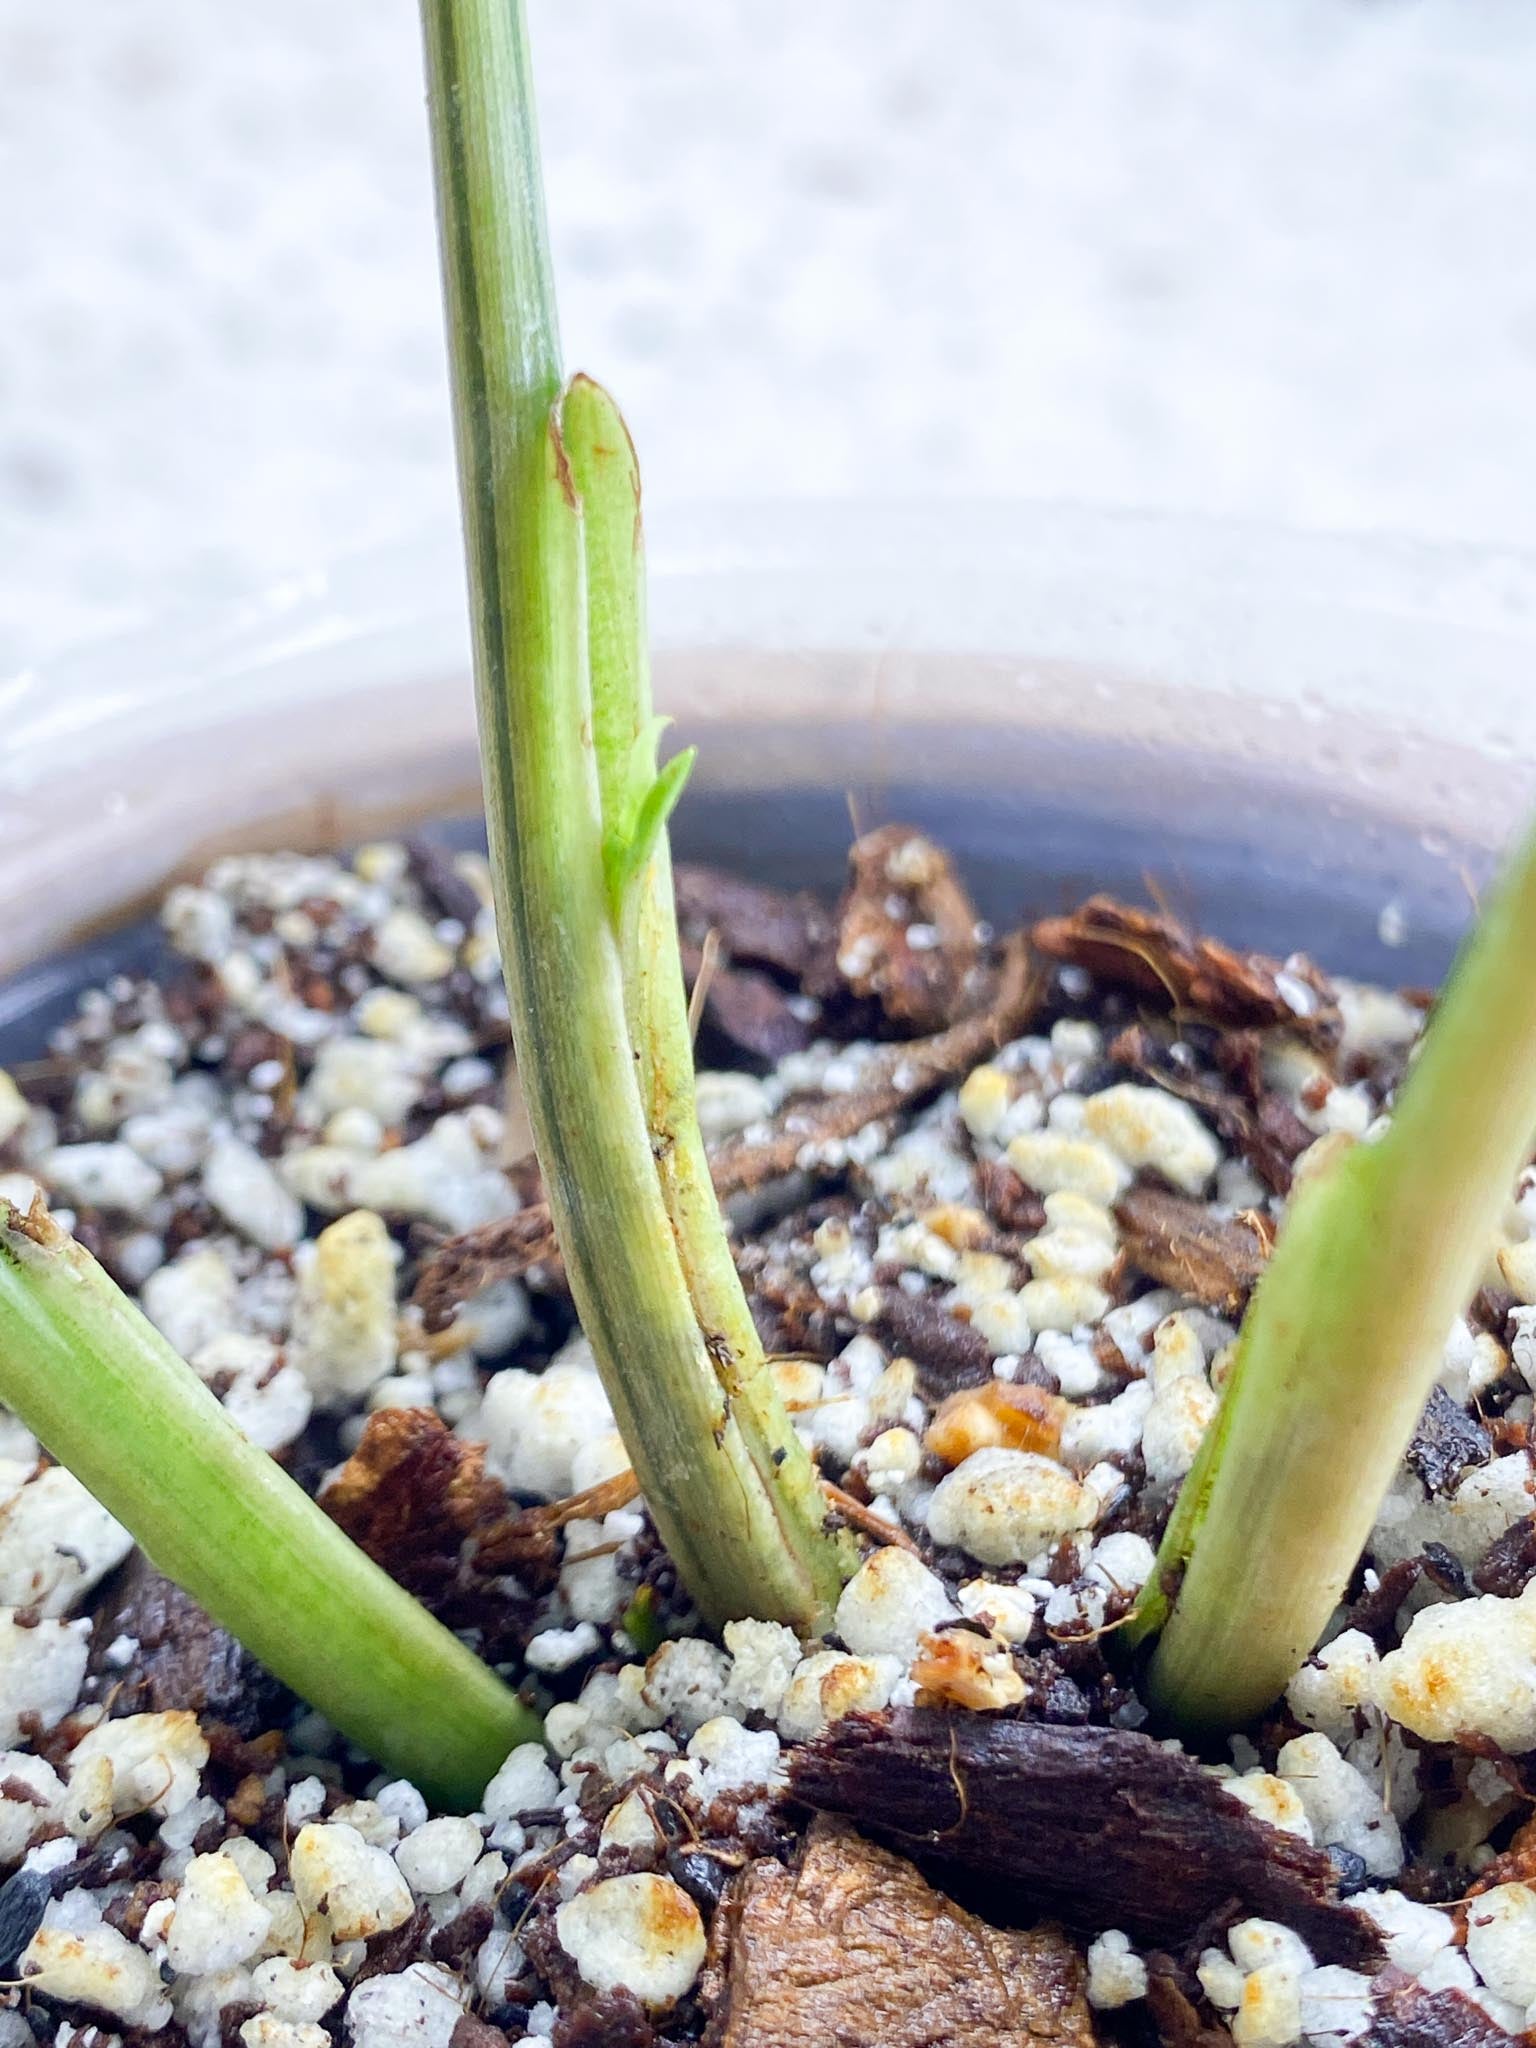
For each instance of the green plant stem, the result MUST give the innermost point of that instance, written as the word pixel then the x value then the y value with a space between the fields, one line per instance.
pixel 608 480
pixel 106 1395
pixel 553 851
pixel 1341 1346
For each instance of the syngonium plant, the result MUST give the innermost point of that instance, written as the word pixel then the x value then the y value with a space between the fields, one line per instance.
pixel 1337 1352
pixel 577 808
pixel 1341 1345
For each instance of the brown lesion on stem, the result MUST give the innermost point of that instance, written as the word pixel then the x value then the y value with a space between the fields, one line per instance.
pixel 35 1223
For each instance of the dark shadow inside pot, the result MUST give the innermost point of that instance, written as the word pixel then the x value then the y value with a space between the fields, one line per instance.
pixel 1254 862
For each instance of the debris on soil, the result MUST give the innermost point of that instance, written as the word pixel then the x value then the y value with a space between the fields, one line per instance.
pixel 23 1897
pixel 458 1268
pixel 1153 953
pixel 1181 1244
pixel 851 1944
pixel 1101 1825
pixel 749 1010
pixel 1446 1441
pixel 948 1353
pixel 1266 1131
pixel 759 926
pixel 412 1493
pixel 1408 2016
pixel 999 1268
pixel 1509 1563
pixel 908 938
pixel 183 1658
pixel 806 1136
pixel 898 1078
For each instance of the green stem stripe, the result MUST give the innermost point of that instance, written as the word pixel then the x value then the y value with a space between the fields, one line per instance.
pixel 607 476
pixel 105 1394
pixel 1343 1341
pixel 716 1510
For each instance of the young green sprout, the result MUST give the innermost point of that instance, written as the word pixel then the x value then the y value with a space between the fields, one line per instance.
pixel 577 812
pixel 106 1395
pixel 1339 1350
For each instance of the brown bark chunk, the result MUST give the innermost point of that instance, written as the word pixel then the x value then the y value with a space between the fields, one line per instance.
pixel 1179 1243
pixel 1011 1204
pixel 1102 1826
pixel 1509 1563
pixel 1408 2016
pixel 390 1953
pixel 748 1009
pixel 1446 1441
pixel 1268 1134
pixel 768 927
pixel 183 1660
pixel 899 1079
pixel 1375 1611
pixel 468 2032
pixel 1153 953
pixel 901 884
pixel 460 1266
pixel 412 1492
pixel 1514 1865
pixel 948 1354
pixel 610 2019
pixel 448 892
pixel 1174 2013
pixel 853 1947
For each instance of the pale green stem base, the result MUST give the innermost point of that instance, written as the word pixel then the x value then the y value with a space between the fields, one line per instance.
pixel 542 673
pixel 105 1394
pixel 1343 1341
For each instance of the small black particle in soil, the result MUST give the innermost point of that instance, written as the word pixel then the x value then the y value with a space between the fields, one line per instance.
pixel 1349 1869
pixel 701 1877
pixel 23 1899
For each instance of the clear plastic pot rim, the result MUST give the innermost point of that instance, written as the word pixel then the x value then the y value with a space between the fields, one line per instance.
pixel 811 646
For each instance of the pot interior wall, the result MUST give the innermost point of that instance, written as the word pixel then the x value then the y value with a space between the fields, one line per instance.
pixel 1253 860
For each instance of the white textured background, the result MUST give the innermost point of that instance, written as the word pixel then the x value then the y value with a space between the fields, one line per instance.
pixel 1214 254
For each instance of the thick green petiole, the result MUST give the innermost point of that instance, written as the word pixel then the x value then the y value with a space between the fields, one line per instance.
pixel 1341 1346
pixel 635 800
pixel 106 1395
pixel 577 833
